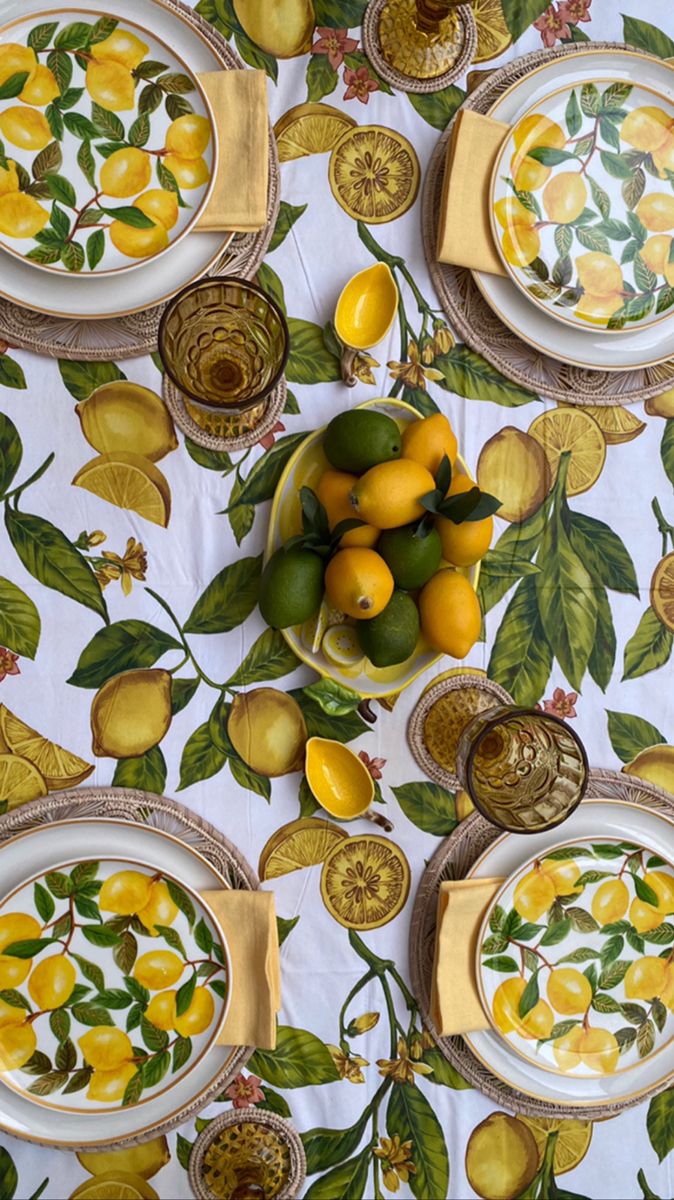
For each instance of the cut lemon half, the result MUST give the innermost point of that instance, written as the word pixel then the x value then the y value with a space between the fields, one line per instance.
pixel 573 1140
pixel 20 781
pixel 58 767
pixel 129 481
pixel 301 843
pixel 313 630
pixel 562 429
pixel 310 129
pixel 115 1185
pixel 662 591
pixel 617 424
pixel 493 35
pixel 340 646
pixel 365 882
pixel 374 174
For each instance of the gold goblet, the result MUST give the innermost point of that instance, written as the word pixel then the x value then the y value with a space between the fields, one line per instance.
pixel 423 43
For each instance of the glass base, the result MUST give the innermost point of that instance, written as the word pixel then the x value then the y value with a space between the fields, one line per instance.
pixel 413 53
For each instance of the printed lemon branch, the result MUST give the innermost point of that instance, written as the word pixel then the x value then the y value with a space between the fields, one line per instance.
pixel 666 530
pixel 219 687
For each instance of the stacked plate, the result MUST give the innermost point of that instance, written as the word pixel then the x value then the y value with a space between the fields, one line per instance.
pixel 573 960
pixel 581 203
pixel 115 982
pixel 109 153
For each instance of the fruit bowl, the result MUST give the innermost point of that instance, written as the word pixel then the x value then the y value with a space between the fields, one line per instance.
pixel 304 469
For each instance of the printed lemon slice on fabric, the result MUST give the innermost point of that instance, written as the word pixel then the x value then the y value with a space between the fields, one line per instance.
pixel 662 590
pixel 144 1160
pixel 115 1185
pixel 20 781
pixel 617 424
pixel 310 129
pixel 374 174
pixel 493 35
pixel 129 481
pixel 301 843
pixel 562 429
pixel 58 767
pixel 365 882
pixel 571 1146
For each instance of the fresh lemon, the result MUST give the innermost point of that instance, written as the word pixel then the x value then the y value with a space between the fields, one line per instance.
pixel 158 969
pixel 374 174
pixel 144 1160
pixel 389 494
pixel 21 216
pixel 365 882
pixel 138 243
pixel 571 1144
pixel 341 647
pixel 105 1048
pixel 161 206
pixel 41 89
pixel 358 582
pixel 188 136
pixel 662 591
pixel 20 781
pixel 310 129
pixel 58 767
pixel 562 429
pixel 188 172
pixel 51 983
pixel 125 892
pixel 116 1184
pixel 160 908
pixel 125 173
pixel 450 613
pixel 26 128
pixel 299 844
pixel 267 729
pixel 333 490
pixel 131 713
pixel 112 86
pixel 467 542
pixel 129 481
pixel 122 416
pixel 429 440
pixel 121 46
pixel 16 59
pixel 314 628
pixel 198 1016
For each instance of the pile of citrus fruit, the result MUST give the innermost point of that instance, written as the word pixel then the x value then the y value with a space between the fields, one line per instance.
pixel 31 765
pixel 380 559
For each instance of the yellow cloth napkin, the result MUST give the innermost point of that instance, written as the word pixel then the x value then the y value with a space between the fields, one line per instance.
pixel 455 1002
pixel 248 921
pixel 464 232
pixel 239 197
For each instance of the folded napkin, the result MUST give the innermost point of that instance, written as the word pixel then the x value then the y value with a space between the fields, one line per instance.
pixel 455 1002
pixel 239 197
pixel 464 232
pixel 248 921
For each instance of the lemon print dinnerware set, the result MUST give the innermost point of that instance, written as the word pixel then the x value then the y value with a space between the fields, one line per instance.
pixel 373 551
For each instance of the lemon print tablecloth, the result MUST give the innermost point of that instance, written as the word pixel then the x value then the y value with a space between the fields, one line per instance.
pixel 128 582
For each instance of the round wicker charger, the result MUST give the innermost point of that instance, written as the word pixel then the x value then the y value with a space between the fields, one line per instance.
pixel 408 83
pixel 261 1122
pixel 453 858
pixel 468 311
pixel 494 694
pixel 157 812
pixel 128 337
pixel 247 429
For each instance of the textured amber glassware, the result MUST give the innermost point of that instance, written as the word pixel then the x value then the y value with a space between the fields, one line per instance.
pixel 421 38
pixel 224 342
pixel 524 770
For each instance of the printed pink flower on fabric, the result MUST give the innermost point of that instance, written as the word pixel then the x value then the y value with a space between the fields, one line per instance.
pixel 335 43
pixel 562 704
pixel 359 84
pixel 269 438
pixel 374 765
pixel 552 25
pixel 574 11
pixel 245 1090
pixel 8 663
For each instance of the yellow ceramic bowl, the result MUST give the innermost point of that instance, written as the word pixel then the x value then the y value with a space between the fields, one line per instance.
pixel 303 469
pixel 367 307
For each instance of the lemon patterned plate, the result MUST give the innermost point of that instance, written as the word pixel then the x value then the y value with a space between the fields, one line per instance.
pixel 108 148
pixel 304 468
pixel 115 981
pixel 582 205
pixel 575 958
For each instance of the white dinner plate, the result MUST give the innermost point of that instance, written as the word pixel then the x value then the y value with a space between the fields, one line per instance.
pixel 25 855
pixel 638 348
pixel 504 857
pixel 160 278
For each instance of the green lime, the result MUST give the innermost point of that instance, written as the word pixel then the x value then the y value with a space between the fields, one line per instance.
pixel 391 637
pixel 291 587
pixel 411 558
pixel 360 439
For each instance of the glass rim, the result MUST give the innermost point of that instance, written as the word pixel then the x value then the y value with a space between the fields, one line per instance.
pixel 491 724
pixel 237 407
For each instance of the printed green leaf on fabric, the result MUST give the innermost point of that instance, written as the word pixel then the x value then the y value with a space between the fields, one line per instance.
pixel 299 1060
pixel 120 647
pixel 287 216
pixel 469 374
pixel 19 620
pixel 309 360
pixel 82 378
pixel 412 1118
pixel 437 108
pixel 428 806
pixel 50 558
pixel 629 734
pixel 649 647
pixel 229 598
